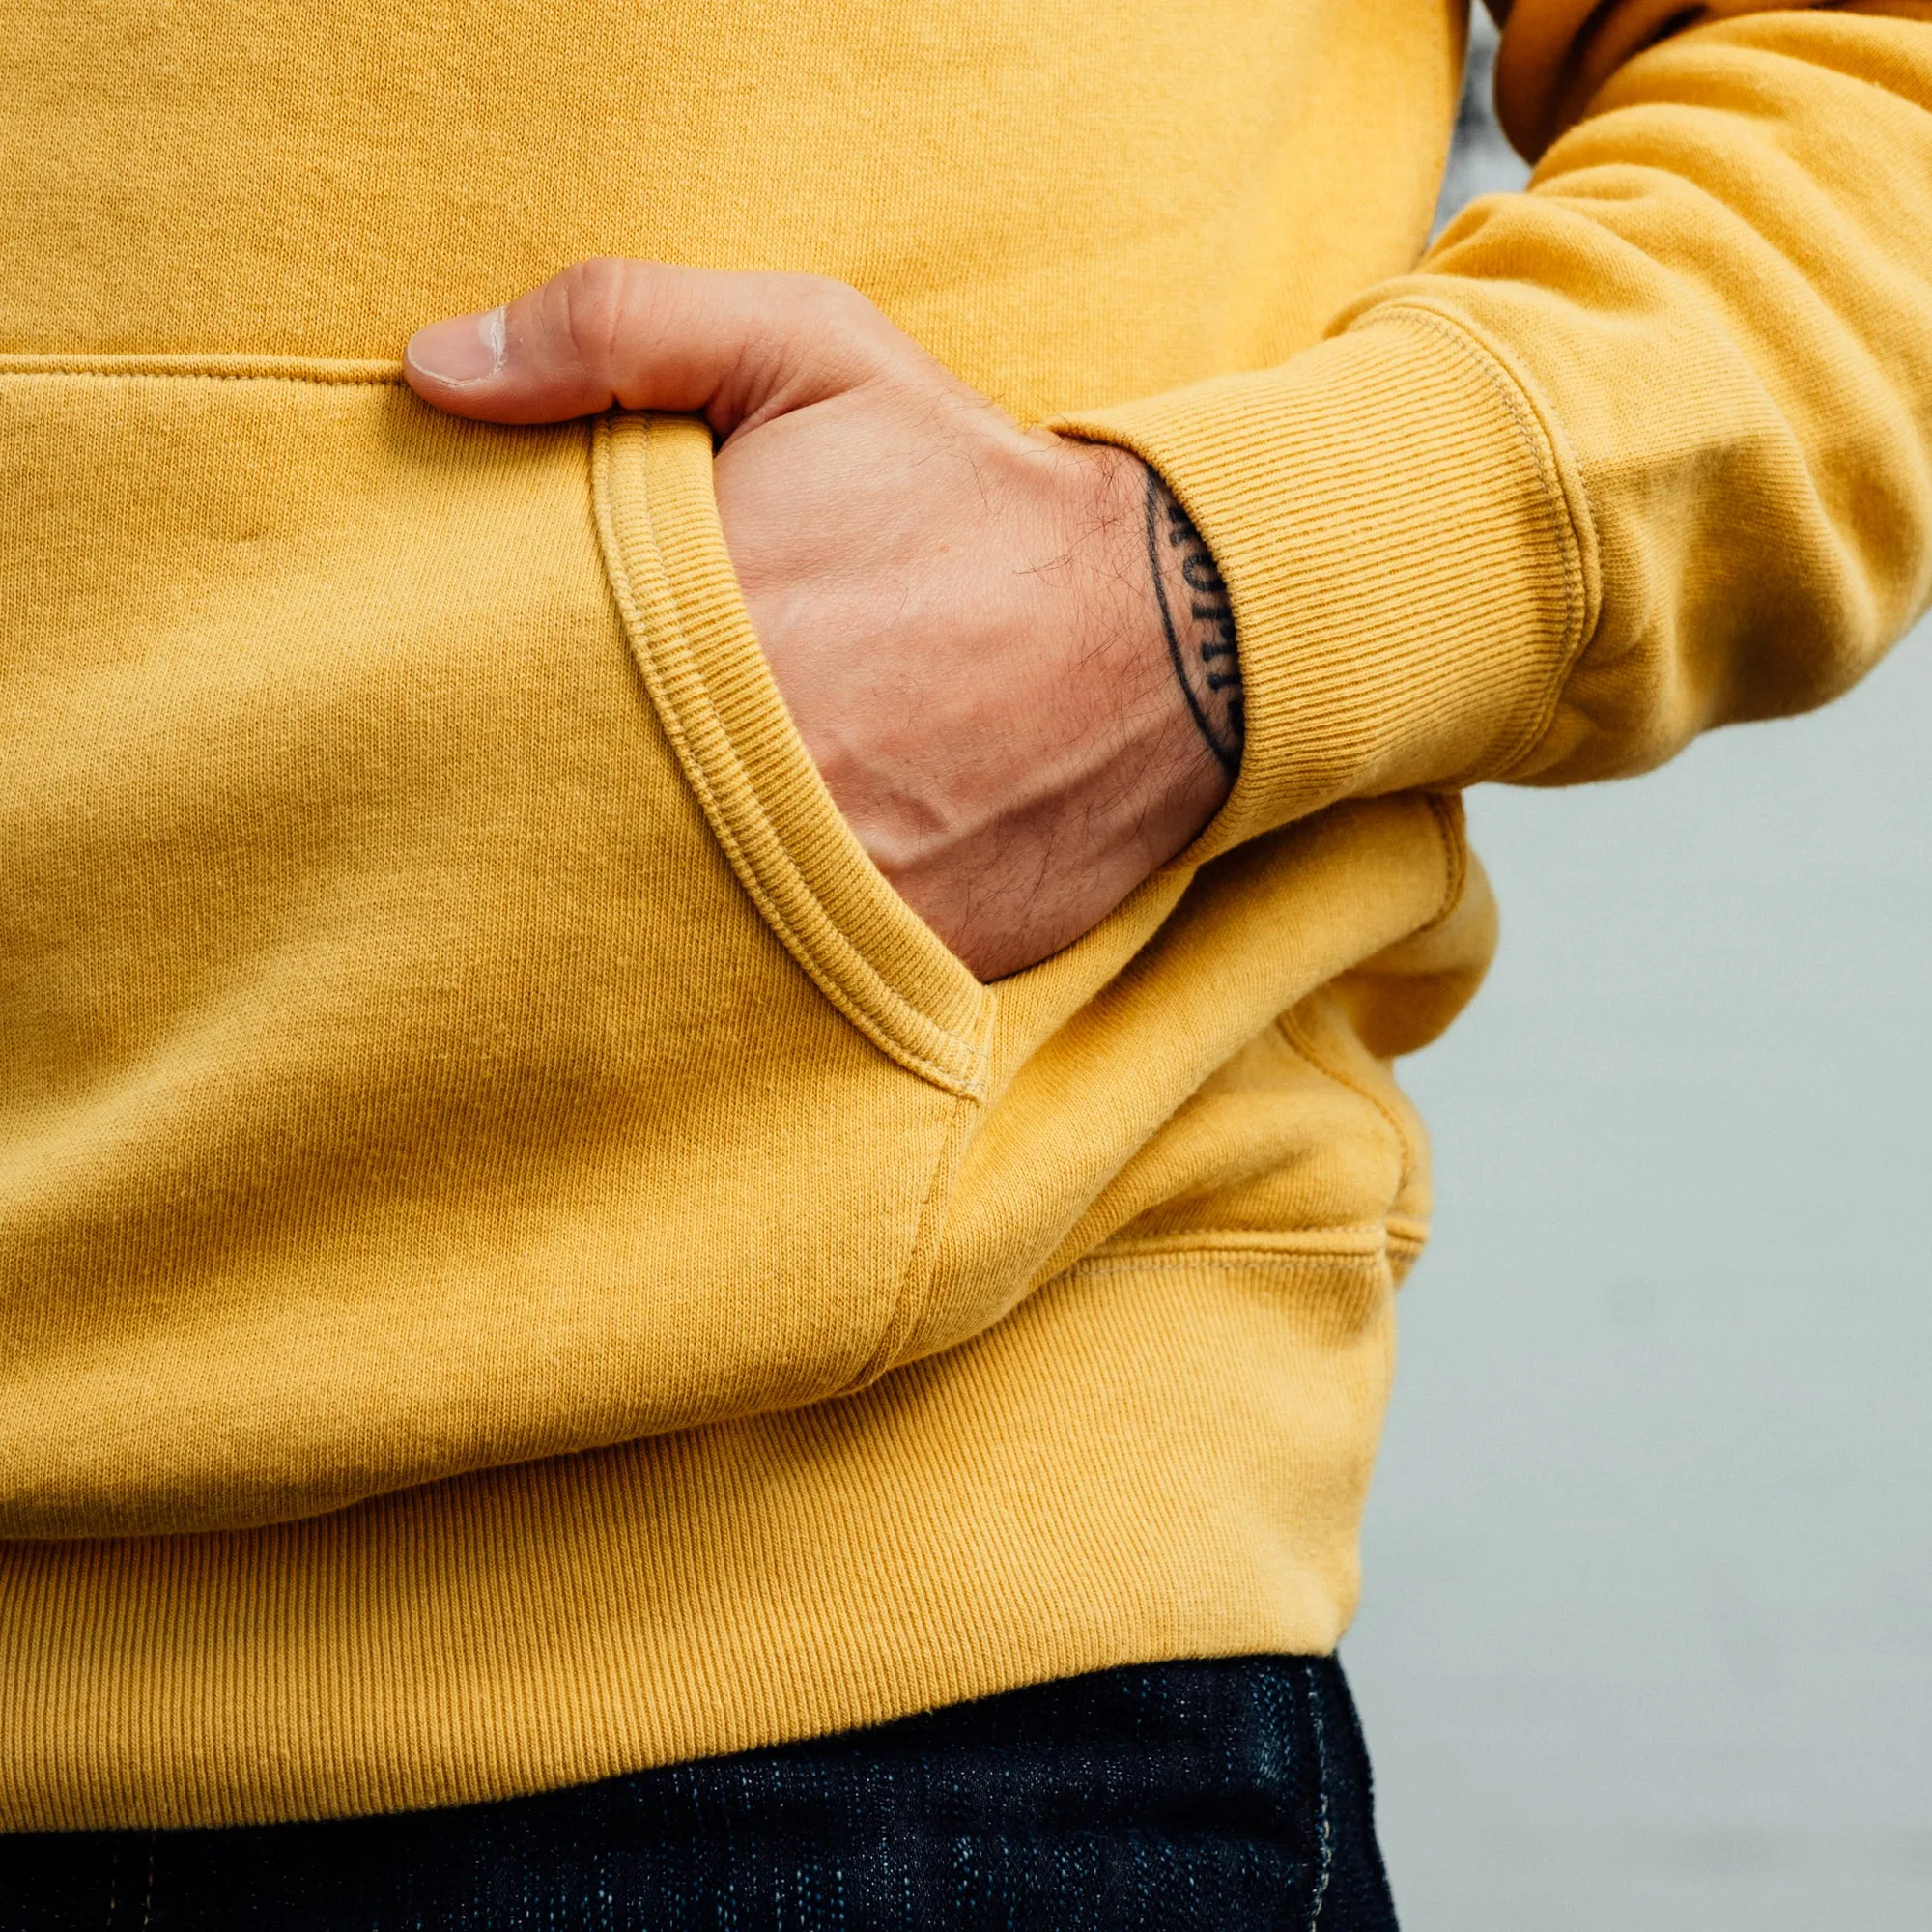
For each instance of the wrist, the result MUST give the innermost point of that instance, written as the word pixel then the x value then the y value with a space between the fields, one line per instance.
pixel 1197 624
pixel 1160 648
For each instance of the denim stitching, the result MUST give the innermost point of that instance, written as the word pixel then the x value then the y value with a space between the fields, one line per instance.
pixel 1328 1835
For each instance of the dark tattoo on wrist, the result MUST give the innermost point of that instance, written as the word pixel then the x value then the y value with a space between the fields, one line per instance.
pixel 1202 643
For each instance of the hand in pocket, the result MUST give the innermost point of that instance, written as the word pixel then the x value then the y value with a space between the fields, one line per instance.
pixel 1008 651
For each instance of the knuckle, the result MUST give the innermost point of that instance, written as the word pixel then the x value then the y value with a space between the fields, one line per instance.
pixel 831 303
pixel 843 303
pixel 593 305
pixel 844 329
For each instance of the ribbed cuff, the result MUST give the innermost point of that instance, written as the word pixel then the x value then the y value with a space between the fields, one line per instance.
pixel 1407 574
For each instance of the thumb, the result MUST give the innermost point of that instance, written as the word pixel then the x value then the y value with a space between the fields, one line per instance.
pixel 737 349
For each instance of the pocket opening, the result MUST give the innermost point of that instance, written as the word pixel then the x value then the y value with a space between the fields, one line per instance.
pixel 769 809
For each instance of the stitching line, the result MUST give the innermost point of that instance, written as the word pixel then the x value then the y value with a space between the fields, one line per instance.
pixel 1326 1829
pixel 1286 1026
pixel 922 1268
pixel 1446 809
pixel 1366 1237
pixel 207 369
pixel 1232 1247
pixel 1269 1261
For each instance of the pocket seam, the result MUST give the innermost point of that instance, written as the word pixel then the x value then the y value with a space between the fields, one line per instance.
pixel 951 1054
pixel 195 367
pixel 1352 1242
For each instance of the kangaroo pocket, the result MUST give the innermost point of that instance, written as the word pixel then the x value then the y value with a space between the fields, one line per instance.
pixel 444 1020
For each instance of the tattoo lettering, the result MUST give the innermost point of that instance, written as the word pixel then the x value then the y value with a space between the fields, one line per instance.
pixel 1202 645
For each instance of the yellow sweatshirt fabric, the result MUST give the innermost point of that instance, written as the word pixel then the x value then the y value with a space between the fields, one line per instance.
pixel 519 1258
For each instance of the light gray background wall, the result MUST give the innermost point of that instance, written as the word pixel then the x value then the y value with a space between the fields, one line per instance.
pixel 1647 1632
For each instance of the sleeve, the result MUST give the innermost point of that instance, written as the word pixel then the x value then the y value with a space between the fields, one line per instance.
pixel 1642 450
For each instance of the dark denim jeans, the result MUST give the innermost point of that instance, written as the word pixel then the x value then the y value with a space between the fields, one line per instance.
pixel 1221 1795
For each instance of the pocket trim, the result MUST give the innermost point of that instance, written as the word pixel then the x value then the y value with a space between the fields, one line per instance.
pixel 862 945
pixel 216 367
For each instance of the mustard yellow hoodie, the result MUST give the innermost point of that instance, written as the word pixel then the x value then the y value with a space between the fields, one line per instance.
pixel 520 1258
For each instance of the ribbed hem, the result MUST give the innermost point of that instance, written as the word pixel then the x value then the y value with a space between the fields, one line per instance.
pixel 1406 564
pixel 1155 1457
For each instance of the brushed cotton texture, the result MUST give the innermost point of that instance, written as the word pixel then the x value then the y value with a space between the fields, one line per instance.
pixel 521 1258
